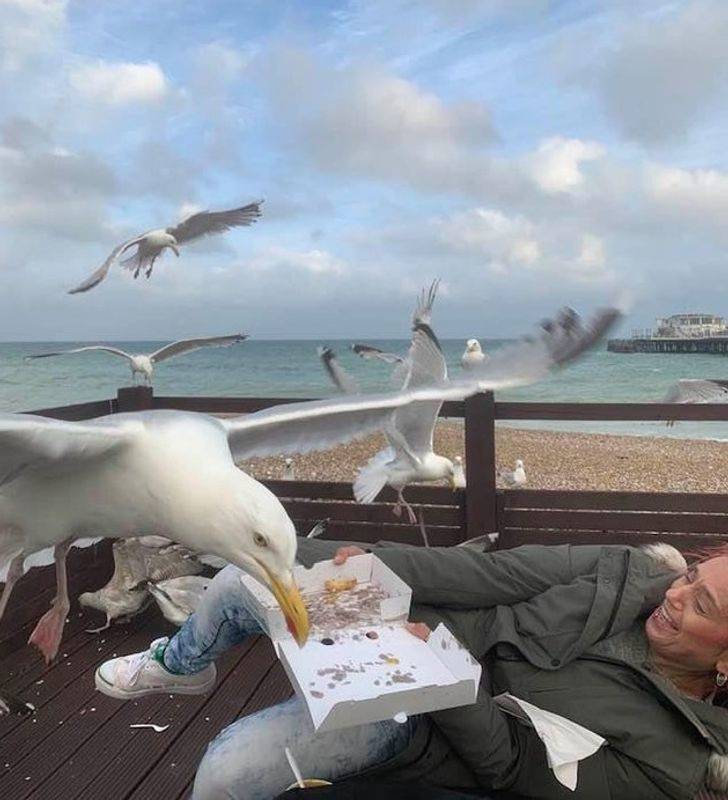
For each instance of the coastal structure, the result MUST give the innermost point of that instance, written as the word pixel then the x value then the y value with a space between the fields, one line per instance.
pixel 679 333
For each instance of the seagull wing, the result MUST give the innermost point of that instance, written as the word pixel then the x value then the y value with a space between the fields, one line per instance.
pixel 697 391
pixel 339 376
pixel 205 223
pixel 369 351
pixel 320 424
pixel 95 278
pixel 188 345
pixel 101 347
pixel 28 441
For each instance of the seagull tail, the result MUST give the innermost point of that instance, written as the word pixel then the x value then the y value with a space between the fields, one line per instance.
pixel 372 478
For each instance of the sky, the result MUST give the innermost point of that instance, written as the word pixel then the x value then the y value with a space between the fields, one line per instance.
pixel 530 153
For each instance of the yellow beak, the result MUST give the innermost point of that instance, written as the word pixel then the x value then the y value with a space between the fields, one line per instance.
pixel 453 484
pixel 291 603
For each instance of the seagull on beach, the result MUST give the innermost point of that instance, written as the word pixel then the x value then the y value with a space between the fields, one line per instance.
pixel 143 363
pixel 473 356
pixel 515 477
pixel 459 481
pixel 175 473
pixel 150 245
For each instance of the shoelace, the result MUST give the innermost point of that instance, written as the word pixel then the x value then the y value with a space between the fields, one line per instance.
pixel 138 661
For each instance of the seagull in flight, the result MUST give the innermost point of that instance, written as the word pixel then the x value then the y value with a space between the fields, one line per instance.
pixel 142 364
pixel 150 245
pixel 696 390
pixel 175 473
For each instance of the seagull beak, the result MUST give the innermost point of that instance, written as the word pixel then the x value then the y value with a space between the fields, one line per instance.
pixel 453 483
pixel 291 603
pixel 174 250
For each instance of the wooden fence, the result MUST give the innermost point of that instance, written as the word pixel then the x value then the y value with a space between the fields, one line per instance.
pixel 519 516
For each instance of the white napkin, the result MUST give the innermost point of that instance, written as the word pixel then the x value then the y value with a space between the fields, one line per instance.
pixel 566 742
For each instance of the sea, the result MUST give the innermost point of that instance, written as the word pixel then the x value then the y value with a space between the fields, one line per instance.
pixel 291 368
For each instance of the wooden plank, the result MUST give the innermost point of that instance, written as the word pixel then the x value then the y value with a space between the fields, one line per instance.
pixel 329 490
pixel 78 411
pixel 114 761
pixel 356 512
pixel 134 398
pixel 480 506
pixel 654 412
pixel 614 520
pixel 225 707
pixel 686 542
pixel 617 501
pixel 377 532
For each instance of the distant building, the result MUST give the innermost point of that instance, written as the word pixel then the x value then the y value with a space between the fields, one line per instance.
pixel 680 333
pixel 690 326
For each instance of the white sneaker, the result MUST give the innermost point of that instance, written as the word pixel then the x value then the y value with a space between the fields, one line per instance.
pixel 141 673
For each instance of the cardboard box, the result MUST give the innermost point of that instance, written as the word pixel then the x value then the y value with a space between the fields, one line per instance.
pixel 372 668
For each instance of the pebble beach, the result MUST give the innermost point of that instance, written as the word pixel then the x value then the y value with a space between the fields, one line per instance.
pixel 553 460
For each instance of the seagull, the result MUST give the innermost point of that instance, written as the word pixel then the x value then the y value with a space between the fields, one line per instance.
pixel 473 356
pixel 143 363
pixel 150 245
pixel 516 477
pixel 289 473
pixel 178 598
pixel 319 529
pixel 137 560
pixel 368 351
pixel 339 376
pixel 175 473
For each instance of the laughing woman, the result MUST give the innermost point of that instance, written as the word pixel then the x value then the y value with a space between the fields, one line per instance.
pixel 625 641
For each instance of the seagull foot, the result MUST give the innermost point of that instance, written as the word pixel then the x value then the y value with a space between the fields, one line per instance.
pixel 47 633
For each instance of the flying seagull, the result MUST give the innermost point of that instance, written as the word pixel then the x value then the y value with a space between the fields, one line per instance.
pixel 150 245
pixel 473 356
pixel 696 390
pixel 175 473
pixel 368 351
pixel 143 363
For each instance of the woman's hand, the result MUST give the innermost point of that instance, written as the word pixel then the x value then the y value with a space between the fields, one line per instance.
pixel 346 552
pixel 418 629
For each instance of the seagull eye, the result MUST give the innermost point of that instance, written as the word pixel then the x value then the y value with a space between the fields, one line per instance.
pixel 260 540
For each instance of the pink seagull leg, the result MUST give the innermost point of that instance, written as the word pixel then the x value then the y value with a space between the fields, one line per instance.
pixel 15 572
pixel 47 633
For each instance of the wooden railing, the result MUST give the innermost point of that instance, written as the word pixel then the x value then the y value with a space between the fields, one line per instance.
pixel 688 520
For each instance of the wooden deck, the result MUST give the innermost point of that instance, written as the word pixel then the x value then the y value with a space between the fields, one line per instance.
pixel 79 744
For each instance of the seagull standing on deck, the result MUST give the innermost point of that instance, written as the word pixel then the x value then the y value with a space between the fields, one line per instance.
pixel 150 245
pixel 515 477
pixel 175 472
pixel 143 363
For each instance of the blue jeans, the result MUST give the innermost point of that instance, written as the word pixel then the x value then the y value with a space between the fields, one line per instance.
pixel 246 761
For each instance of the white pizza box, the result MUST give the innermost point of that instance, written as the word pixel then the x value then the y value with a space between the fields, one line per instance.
pixel 347 678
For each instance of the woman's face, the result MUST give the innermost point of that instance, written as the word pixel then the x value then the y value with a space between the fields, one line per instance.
pixel 690 627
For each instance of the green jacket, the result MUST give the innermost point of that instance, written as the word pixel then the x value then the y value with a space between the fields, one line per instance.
pixel 534 612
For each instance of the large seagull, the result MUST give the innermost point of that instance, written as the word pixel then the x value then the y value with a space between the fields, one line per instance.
pixel 150 245
pixel 174 473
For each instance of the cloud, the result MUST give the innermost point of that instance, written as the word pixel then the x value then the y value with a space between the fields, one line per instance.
pixel 699 194
pixel 555 166
pixel 119 84
pixel 667 73
pixel 29 29
pixel 315 262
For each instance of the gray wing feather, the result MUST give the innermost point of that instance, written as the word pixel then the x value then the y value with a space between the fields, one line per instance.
pixel 205 223
pixel 27 441
pixel 369 351
pixel 188 345
pixel 95 278
pixel 339 376
pixel 100 347
pixel 697 391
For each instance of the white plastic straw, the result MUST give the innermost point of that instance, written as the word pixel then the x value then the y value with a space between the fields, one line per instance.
pixel 294 768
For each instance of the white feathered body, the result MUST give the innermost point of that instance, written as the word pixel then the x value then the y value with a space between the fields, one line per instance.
pixel 386 469
pixel 176 478
pixel 141 364
pixel 155 241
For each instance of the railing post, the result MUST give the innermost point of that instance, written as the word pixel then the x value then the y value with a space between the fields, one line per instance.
pixel 480 497
pixel 134 398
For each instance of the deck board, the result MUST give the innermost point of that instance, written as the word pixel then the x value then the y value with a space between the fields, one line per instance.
pixel 78 744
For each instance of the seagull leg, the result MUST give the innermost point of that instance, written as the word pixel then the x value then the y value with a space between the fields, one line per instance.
pixel 47 633
pixel 423 530
pixel 402 503
pixel 15 572
pixel 151 267
pixel 102 628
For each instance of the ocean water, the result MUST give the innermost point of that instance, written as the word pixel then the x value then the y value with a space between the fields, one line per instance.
pixel 292 369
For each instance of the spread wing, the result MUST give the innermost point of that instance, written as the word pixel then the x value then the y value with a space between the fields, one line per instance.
pixel 369 351
pixel 339 376
pixel 320 424
pixel 697 391
pixel 205 223
pixel 95 278
pixel 30 442
pixel 188 345
pixel 100 347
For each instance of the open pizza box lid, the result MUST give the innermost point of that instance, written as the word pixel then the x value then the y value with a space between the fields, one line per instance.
pixel 368 667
